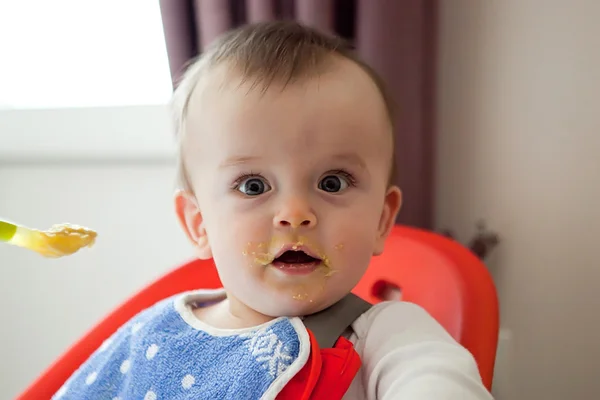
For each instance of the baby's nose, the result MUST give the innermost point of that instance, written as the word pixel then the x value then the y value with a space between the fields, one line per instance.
pixel 295 215
pixel 295 222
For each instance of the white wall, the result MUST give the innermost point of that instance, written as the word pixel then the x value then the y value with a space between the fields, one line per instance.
pixel 133 133
pixel 519 145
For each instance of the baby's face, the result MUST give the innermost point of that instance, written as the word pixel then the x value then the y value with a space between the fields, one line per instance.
pixel 291 186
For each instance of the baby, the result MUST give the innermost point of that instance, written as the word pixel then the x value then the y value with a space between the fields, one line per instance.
pixel 286 157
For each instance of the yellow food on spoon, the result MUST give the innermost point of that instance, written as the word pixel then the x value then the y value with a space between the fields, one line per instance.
pixel 58 241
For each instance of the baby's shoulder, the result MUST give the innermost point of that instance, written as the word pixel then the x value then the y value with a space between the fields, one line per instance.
pixel 399 318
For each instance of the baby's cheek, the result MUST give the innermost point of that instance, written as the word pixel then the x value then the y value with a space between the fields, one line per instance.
pixel 239 229
pixel 351 251
pixel 229 244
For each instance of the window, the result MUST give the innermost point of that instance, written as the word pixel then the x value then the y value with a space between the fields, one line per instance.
pixel 83 79
pixel 82 53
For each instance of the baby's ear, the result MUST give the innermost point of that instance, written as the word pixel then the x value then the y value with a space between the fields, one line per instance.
pixel 190 218
pixel 391 206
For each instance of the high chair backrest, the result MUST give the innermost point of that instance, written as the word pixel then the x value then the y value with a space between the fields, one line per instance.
pixel 448 281
pixel 437 273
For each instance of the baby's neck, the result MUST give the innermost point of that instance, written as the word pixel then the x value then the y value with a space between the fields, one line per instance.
pixel 230 314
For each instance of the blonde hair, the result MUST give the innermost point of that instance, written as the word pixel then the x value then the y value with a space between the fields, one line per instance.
pixel 281 52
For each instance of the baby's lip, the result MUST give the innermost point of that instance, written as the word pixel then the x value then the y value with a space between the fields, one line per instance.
pixel 296 247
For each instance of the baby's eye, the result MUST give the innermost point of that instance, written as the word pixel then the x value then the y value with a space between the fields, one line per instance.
pixel 334 183
pixel 253 186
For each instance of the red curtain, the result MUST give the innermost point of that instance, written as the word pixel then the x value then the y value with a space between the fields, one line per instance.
pixel 397 37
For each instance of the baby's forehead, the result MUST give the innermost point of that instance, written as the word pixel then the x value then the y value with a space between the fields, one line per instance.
pixel 343 93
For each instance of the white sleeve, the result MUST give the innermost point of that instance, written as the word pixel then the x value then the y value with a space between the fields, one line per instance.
pixel 407 355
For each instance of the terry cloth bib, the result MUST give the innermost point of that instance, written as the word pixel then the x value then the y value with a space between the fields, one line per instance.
pixel 158 355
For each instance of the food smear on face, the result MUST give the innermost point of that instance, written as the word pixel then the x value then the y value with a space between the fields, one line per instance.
pixel 300 296
pixel 300 293
pixel 263 258
pixel 262 254
pixel 259 252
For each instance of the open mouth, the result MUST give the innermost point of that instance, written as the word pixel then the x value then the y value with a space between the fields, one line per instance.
pixel 296 262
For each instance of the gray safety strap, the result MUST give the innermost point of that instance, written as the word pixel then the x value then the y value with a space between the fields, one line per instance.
pixel 329 324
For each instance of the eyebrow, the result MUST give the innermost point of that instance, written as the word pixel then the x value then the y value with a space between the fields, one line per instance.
pixel 232 162
pixel 351 158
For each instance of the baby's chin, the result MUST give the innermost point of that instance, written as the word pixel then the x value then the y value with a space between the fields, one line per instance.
pixel 294 304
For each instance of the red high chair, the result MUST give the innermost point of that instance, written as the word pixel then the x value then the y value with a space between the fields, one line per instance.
pixel 435 272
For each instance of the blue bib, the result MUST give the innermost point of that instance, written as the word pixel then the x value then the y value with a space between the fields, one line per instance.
pixel 158 355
